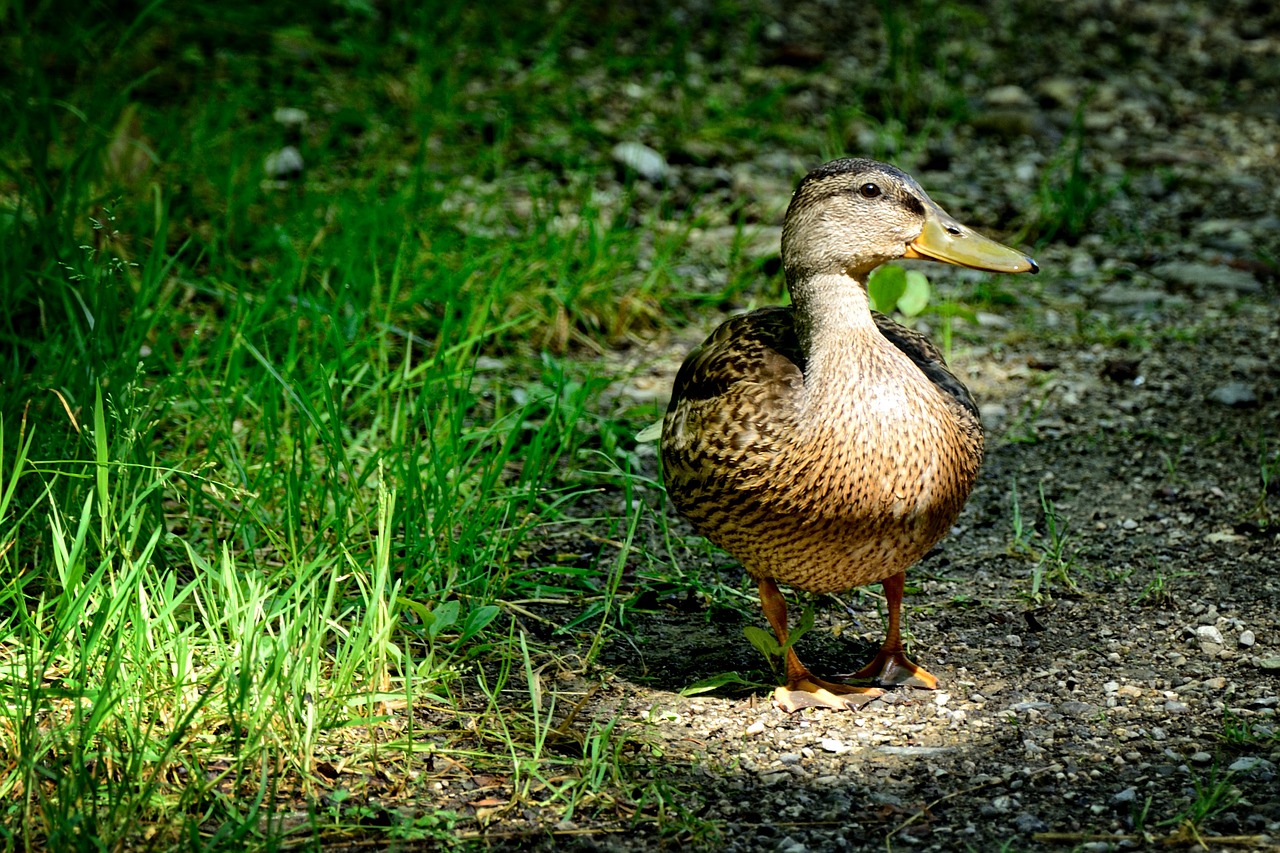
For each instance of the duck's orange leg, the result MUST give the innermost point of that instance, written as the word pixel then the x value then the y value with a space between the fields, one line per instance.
pixel 802 689
pixel 891 666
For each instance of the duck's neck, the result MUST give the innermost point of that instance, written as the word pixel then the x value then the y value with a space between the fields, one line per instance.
pixel 833 321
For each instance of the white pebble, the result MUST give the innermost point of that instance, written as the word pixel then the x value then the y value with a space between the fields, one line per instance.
pixel 1209 634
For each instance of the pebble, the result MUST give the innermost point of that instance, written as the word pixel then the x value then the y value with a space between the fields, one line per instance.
pixel 643 160
pixel 756 728
pixel 1201 758
pixel 1027 823
pixel 1209 634
pixel 830 744
pixel 1270 664
pixel 1206 275
pixel 1250 763
pixel 289 116
pixel 1172 707
pixel 283 164
pixel 1234 394
pixel 1246 638
pixel 790 845
pixel 1007 96
pixel 1073 708
pixel 1128 795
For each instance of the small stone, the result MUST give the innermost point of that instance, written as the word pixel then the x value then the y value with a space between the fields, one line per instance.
pixel 1020 707
pixel 1172 707
pixel 1127 296
pixel 1250 763
pixel 642 160
pixel 1206 275
pixel 790 845
pixel 756 728
pixel 1234 394
pixel 1128 795
pixel 1201 758
pixel 283 164
pixel 789 758
pixel 1063 91
pixel 1007 96
pixel 1270 664
pixel 1013 640
pixel 830 744
pixel 1246 638
pixel 289 116
pixel 1209 634
pixel 1027 823
pixel 941 698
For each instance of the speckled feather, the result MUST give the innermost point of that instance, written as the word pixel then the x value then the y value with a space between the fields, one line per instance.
pixel 822 492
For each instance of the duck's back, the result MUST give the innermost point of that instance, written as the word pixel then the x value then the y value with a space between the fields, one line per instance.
pixel 820 499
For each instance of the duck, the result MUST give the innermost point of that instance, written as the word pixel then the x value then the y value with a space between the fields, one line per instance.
pixel 822 444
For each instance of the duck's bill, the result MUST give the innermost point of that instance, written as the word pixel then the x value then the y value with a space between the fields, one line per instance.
pixel 944 239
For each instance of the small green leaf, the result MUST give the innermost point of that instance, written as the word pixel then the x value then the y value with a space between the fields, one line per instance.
pixel 885 287
pixel 915 297
pixel 477 620
pixel 804 626
pixel 446 614
pixel 715 682
pixel 763 641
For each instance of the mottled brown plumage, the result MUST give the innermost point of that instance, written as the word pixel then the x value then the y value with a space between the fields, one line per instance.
pixel 824 445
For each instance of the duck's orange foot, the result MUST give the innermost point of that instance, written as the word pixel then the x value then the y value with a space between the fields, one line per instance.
pixel 892 668
pixel 810 692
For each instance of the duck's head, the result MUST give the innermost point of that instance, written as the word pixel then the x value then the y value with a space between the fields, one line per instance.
pixel 849 216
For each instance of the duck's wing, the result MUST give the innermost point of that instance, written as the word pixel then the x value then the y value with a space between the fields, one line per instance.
pixel 734 401
pixel 928 358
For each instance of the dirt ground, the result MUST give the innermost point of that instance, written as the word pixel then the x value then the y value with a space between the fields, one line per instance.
pixel 1131 395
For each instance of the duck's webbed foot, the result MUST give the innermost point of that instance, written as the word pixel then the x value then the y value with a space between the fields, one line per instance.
pixel 810 692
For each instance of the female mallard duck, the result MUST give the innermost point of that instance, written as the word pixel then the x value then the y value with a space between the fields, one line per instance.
pixel 824 445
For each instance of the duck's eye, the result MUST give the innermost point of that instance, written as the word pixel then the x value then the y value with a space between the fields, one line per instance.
pixel 869 190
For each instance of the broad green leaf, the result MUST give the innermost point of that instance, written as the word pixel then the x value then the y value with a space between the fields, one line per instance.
pixel 885 287
pixel 915 297
pixel 446 614
pixel 763 641
pixel 477 620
